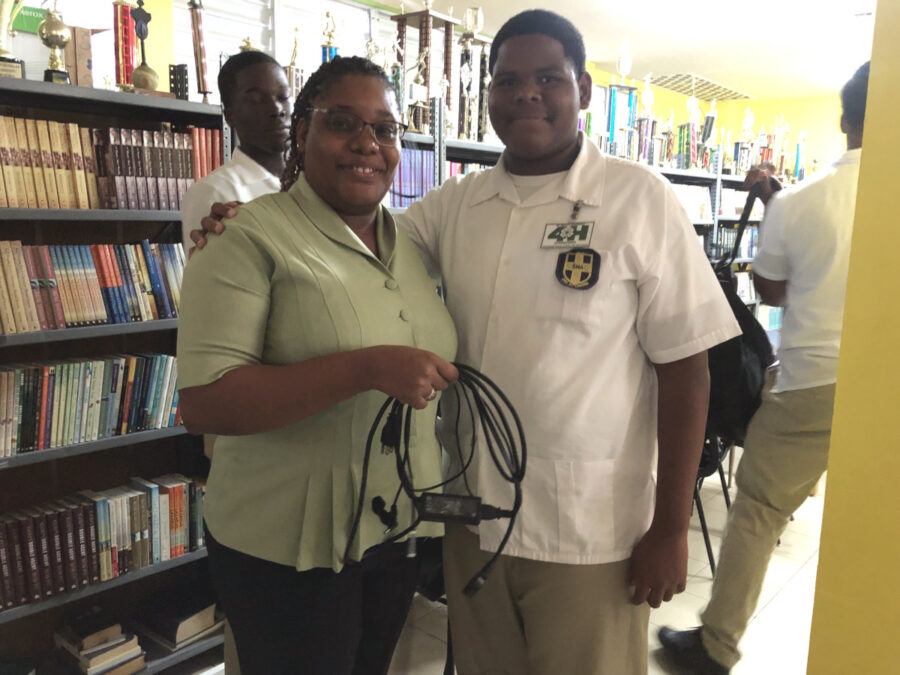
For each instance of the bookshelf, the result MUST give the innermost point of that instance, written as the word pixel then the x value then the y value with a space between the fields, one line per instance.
pixel 39 476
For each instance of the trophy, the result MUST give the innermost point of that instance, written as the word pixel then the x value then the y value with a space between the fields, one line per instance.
pixel 196 9
pixel 143 77
pixel 55 34
pixel 329 49
pixel 484 87
pixel 425 20
pixel 10 66
pixel 123 25
pixel 471 25
pixel 294 74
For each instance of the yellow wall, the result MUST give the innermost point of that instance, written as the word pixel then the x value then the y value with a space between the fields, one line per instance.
pixel 160 44
pixel 857 607
pixel 819 116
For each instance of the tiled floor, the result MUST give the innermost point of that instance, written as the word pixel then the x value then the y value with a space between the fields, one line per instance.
pixel 775 643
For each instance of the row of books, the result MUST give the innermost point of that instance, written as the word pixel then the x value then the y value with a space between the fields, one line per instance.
pixel 62 403
pixel 109 651
pixel 52 287
pixel 727 236
pixel 95 536
pixel 59 165
pixel 413 178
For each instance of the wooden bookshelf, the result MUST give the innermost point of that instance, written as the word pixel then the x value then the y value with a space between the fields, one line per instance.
pixel 86 332
pixel 20 612
pixel 126 440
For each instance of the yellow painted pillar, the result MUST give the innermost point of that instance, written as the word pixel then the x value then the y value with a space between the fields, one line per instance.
pixel 160 44
pixel 856 619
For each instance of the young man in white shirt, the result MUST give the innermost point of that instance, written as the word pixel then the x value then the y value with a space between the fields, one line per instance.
pixel 801 265
pixel 576 284
pixel 257 105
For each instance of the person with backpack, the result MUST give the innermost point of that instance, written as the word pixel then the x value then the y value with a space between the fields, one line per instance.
pixel 801 265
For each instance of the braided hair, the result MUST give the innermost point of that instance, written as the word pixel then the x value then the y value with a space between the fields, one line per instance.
pixel 317 84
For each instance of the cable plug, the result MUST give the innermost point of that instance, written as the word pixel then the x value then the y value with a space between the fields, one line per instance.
pixel 488 512
pixel 387 517
pixel 390 432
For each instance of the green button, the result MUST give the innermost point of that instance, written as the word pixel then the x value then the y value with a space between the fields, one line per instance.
pixel 391 285
pixel 404 315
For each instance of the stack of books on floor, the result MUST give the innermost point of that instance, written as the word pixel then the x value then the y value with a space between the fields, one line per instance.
pixel 94 536
pixel 50 287
pixel 62 403
pixel 179 618
pixel 86 646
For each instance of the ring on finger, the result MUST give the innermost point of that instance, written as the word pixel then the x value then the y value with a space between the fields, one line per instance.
pixel 432 395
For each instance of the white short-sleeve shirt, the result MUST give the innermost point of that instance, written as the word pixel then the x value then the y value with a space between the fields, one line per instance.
pixel 241 179
pixel 805 240
pixel 577 364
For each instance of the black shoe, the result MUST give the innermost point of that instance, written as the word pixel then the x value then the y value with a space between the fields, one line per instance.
pixel 685 649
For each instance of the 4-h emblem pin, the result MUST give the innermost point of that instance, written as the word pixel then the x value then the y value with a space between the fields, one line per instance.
pixel 578 268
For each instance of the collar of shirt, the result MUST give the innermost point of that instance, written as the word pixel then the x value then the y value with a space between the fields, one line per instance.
pixel 850 157
pixel 247 170
pixel 586 170
pixel 329 223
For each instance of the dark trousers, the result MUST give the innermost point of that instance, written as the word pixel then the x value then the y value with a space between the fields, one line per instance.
pixel 314 622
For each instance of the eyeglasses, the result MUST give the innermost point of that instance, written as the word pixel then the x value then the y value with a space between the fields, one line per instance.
pixel 343 123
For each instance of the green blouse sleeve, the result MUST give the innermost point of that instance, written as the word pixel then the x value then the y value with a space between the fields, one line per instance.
pixel 224 304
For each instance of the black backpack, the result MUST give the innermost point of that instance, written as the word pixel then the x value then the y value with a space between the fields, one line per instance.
pixel 737 367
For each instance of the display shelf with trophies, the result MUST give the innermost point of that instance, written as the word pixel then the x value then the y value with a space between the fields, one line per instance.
pixel 115 435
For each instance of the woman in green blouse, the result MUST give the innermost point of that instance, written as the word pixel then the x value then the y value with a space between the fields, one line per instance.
pixel 295 324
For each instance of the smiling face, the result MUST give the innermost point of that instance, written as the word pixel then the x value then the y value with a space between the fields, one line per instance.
pixel 352 173
pixel 534 101
pixel 260 109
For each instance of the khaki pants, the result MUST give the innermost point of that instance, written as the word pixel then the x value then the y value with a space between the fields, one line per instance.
pixel 785 454
pixel 540 618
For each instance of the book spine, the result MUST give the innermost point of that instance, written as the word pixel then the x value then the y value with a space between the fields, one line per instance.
pixel 105 290
pixel 156 282
pixel 76 161
pixel 56 553
pixel 39 141
pixel 7 315
pixel 17 561
pixel 34 178
pixel 48 277
pixel 93 284
pixel 195 153
pixel 65 286
pixel 14 199
pixel 30 557
pixel 10 598
pixel 65 186
pixel 24 282
pixel 145 141
pixel 165 525
pixel 45 564
pixel 41 298
pixel 146 288
pixel 12 284
pixel 123 288
pixel 24 189
pixel 171 172
pixel 93 559
pixel 90 168
pixel 159 170
pixel 140 174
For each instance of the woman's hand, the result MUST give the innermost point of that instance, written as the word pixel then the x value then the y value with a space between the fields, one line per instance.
pixel 412 376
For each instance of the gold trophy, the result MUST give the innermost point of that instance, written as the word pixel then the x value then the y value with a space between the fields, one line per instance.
pixel 10 66
pixel 143 77
pixel 293 73
pixel 55 34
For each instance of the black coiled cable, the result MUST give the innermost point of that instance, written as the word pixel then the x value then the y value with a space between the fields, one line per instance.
pixel 505 443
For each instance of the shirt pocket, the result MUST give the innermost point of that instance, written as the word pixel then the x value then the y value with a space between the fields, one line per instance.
pixel 556 302
pixel 586 506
